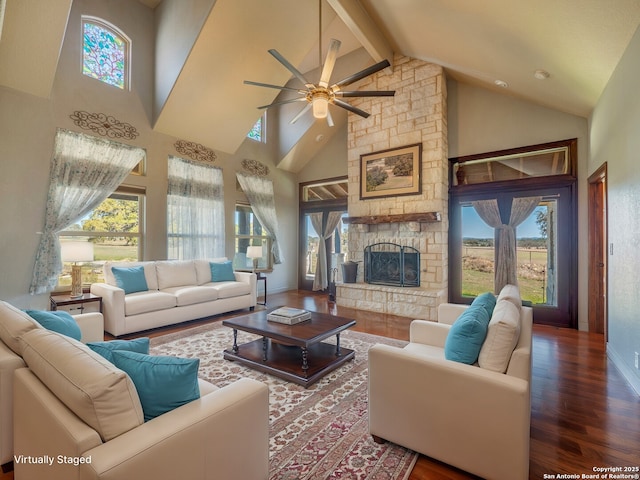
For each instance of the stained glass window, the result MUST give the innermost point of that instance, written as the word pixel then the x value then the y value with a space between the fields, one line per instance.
pixel 256 133
pixel 104 55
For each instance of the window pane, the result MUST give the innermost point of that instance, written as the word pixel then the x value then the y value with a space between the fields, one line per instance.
pixel 478 254
pixel 256 132
pixel 249 232
pixel 313 241
pixel 536 246
pixel 104 54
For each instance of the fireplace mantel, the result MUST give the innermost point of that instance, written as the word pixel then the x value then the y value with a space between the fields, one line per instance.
pixel 403 217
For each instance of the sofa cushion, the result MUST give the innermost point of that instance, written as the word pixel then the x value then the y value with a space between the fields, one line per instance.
pixel 176 273
pixel 203 269
pixel 511 293
pixel 143 302
pixel 222 272
pixel 106 349
pixel 58 321
pixel 466 335
pixel 130 279
pixel 192 294
pixel 231 289
pixel 149 272
pixel 103 396
pixel 163 383
pixel 502 337
pixel 486 300
pixel 13 324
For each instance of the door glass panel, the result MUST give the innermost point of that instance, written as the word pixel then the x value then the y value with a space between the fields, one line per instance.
pixel 311 257
pixel 536 248
pixel 478 254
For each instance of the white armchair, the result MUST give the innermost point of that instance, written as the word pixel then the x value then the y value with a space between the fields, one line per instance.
pixel 472 418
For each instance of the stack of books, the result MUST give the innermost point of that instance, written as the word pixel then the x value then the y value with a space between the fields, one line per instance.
pixel 288 315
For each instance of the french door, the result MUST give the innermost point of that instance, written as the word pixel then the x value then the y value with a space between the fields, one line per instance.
pixel 546 248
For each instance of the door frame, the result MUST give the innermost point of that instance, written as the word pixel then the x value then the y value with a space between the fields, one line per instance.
pixel 597 251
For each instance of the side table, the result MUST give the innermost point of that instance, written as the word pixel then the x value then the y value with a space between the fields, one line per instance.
pixel 88 302
pixel 262 277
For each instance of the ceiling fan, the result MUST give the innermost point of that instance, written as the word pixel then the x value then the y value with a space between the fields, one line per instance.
pixel 318 97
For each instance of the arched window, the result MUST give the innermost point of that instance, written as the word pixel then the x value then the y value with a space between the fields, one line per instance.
pixel 105 52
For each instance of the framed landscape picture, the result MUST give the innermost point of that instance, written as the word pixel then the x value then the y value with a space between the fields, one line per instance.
pixel 390 173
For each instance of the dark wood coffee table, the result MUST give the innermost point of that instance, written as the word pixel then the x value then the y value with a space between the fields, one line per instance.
pixel 293 352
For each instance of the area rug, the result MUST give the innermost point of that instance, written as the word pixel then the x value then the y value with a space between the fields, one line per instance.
pixel 318 433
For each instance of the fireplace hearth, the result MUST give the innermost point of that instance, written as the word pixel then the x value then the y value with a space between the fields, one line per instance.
pixel 392 264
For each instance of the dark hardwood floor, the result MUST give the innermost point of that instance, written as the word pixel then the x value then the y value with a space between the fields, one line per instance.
pixel 584 413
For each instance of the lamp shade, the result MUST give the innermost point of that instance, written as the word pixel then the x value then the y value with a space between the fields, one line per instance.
pixel 254 252
pixel 76 251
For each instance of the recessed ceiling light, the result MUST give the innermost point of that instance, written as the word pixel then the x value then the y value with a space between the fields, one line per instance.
pixel 501 83
pixel 541 74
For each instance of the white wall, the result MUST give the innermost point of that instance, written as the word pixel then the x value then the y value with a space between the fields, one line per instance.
pixel 27 129
pixel 614 127
pixel 483 121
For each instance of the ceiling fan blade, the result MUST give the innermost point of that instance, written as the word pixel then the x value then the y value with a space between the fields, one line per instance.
pixel 329 119
pixel 329 63
pixel 291 68
pixel 351 108
pixel 283 102
pixel 300 114
pixel 362 74
pixel 366 93
pixel 258 84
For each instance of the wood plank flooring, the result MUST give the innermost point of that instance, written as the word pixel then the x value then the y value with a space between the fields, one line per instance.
pixel 584 413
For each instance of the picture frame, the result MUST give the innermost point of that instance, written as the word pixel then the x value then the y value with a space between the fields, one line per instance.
pixel 391 173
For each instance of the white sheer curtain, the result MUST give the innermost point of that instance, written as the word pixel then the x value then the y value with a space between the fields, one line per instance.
pixel 84 171
pixel 195 210
pixel 321 279
pixel 506 255
pixel 260 194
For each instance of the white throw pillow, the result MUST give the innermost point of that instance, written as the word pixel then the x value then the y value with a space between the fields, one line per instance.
pixel 511 293
pixel 176 273
pixel 502 337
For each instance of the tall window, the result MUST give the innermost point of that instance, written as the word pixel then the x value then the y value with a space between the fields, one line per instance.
pixel 257 133
pixel 195 210
pixel 105 52
pixel 249 232
pixel 115 228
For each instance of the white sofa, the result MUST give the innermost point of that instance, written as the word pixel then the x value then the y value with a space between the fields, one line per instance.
pixel 77 416
pixel 471 417
pixel 178 291
pixel 91 326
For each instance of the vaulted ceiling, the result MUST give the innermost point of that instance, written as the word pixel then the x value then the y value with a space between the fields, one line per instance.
pixel 206 48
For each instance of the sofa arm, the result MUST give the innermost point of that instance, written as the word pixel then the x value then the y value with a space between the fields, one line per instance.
pixel 224 435
pixel 112 307
pixel 475 419
pixel 250 278
pixel 9 363
pixel 91 325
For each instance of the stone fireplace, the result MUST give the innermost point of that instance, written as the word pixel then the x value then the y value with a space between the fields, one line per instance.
pixel 416 114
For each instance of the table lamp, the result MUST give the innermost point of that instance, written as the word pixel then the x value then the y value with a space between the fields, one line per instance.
pixel 76 252
pixel 254 253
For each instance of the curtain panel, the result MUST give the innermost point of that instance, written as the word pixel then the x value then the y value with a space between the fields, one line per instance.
pixel 321 278
pixel 505 251
pixel 84 171
pixel 260 194
pixel 195 210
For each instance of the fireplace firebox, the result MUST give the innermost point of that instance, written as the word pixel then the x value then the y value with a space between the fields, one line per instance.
pixel 392 264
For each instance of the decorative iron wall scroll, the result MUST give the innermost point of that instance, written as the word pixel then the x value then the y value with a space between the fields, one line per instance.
pixel 255 167
pixel 195 151
pixel 103 124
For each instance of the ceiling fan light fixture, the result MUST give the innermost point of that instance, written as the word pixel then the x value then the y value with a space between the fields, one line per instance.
pixel 320 105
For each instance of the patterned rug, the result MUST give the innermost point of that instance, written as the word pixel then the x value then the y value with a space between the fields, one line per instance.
pixel 318 433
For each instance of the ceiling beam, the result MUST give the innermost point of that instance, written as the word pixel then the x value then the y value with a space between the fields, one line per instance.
pixel 363 28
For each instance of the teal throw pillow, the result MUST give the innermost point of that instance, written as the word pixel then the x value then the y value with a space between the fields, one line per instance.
pixel 222 272
pixel 163 383
pixel 487 301
pixel 466 336
pixel 58 321
pixel 130 279
pixel 106 349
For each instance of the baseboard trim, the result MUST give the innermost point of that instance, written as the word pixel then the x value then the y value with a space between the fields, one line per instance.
pixel 627 372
